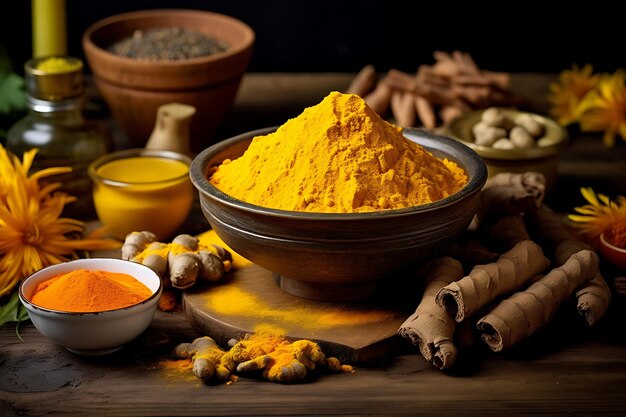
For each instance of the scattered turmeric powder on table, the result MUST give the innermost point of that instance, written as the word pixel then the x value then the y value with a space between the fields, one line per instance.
pixel 338 157
pixel 220 300
pixel 267 352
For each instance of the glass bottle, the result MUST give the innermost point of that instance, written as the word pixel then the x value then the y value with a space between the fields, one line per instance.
pixel 56 126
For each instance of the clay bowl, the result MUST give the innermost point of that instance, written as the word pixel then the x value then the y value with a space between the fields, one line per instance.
pixel 614 255
pixel 339 257
pixel 543 159
pixel 134 89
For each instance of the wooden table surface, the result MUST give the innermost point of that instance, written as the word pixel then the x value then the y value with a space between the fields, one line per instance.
pixel 564 369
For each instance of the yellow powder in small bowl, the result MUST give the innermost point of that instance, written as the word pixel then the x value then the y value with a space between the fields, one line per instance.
pixel 338 157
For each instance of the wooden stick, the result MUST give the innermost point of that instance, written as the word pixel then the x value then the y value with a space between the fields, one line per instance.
pixel 425 112
pixel 465 63
pixel 364 82
pixel 449 113
pixel 402 81
pixel 379 99
pixel 403 108
pixel 445 65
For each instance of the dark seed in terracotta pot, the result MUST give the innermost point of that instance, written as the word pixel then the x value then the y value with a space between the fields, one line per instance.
pixel 167 44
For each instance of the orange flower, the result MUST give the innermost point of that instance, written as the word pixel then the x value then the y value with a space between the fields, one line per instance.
pixel 600 214
pixel 566 94
pixel 32 233
pixel 604 109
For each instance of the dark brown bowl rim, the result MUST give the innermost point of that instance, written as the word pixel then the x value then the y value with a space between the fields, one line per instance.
pixel 472 163
pixel 233 50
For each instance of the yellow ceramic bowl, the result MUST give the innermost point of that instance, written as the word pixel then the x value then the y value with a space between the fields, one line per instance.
pixel 542 159
pixel 141 189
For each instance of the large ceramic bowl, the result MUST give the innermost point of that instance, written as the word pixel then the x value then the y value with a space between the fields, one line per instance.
pixel 543 159
pixel 134 89
pixel 338 256
pixel 93 333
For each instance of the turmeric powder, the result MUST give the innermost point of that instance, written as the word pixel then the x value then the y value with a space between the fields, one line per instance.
pixel 86 291
pixel 337 157
pixel 59 65
pixel 278 359
pixel 211 239
pixel 220 299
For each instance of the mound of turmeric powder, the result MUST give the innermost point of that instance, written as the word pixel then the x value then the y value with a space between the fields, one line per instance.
pixel 337 157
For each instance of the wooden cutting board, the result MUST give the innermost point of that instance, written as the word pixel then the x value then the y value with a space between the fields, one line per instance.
pixel 355 333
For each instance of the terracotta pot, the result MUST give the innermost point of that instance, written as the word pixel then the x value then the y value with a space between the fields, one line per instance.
pixel 134 89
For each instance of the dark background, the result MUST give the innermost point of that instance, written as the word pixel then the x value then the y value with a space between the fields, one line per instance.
pixel 343 36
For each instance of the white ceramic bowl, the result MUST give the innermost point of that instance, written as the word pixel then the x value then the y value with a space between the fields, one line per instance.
pixel 93 333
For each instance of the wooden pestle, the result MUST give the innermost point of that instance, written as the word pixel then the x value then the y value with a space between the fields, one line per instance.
pixel 171 130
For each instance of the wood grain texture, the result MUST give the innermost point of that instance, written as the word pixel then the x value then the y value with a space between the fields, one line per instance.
pixel 581 375
pixel 566 369
pixel 372 339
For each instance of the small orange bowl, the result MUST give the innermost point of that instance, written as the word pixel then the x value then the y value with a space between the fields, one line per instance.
pixel 614 255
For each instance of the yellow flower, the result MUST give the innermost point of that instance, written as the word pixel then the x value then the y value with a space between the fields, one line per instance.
pixel 600 214
pixel 566 94
pixel 32 233
pixel 604 109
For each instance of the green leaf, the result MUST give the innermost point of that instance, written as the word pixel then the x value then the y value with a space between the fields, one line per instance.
pixel 5 62
pixel 12 94
pixel 13 310
pixel 8 312
pixel 22 313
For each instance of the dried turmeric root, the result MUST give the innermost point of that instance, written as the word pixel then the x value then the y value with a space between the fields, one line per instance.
pixel 188 262
pixel 533 183
pixel 206 356
pixel 430 328
pixel 167 301
pixel 594 297
pixel 472 252
pixel 511 271
pixel 509 193
pixel 135 243
pixel 181 262
pixel 519 316
pixel 504 232
pixel 278 359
